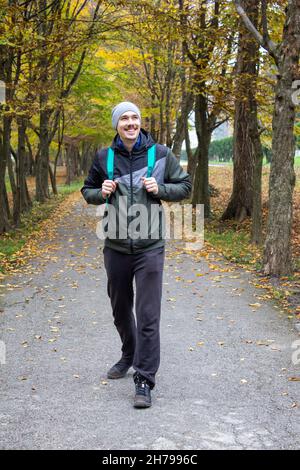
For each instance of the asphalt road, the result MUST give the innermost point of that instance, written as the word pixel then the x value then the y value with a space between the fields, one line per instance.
pixel 226 366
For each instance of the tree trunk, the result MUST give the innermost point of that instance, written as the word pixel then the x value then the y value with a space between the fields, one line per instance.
pixel 58 157
pixel 7 120
pixel 23 202
pixel 162 127
pixel 168 107
pixel 71 158
pixel 42 161
pixel 52 180
pixel 256 227
pixel 277 254
pixel 77 162
pixel 246 137
pixel 200 194
pixel 26 202
pixel 31 165
pixel 192 157
pixel 179 137
pixel 85 157
pixel 4 207
pixel 181 122
pixel 153 130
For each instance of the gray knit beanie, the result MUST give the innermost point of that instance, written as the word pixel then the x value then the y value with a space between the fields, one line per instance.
pixel 122 108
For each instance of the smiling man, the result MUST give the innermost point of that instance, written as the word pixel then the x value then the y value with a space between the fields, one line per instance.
pixel 133 256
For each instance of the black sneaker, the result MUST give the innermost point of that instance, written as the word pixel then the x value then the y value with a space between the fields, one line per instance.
pixel 119 370
pixel 142 397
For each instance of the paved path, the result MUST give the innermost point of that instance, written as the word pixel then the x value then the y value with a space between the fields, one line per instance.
pixel 225 366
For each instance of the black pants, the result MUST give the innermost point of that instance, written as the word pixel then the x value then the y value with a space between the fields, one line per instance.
pixel 140 339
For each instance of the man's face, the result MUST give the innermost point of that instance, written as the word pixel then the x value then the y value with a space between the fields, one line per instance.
pixel 129 126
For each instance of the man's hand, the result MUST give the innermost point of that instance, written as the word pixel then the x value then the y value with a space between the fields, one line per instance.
pixel 150 184
pixel 108 187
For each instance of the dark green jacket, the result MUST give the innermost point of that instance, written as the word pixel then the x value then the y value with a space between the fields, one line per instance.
pixel 173 183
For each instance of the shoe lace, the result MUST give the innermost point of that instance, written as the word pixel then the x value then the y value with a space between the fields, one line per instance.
pixel 141 386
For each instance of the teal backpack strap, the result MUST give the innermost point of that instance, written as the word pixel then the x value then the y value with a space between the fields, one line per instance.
pixel 110 163
pixel 151 159
pixel 110 166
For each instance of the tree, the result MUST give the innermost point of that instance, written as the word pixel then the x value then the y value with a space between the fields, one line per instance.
pixel 186 105
pixel 58 20
pixel 7 55
pixel 88 114
pixel 148 48
pixel 247 147
pixel 277 259
pixel 208 44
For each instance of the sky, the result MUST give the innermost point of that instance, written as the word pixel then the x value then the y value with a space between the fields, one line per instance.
pixel 223 131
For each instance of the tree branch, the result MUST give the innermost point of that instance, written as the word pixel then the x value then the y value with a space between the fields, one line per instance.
pixel 264 20
pixel 68 88
pixel 219 123
pixel 34 128
pixel 266 42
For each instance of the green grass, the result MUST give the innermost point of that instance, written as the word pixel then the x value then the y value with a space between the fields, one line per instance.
pixel 265 163
pixel 230 163
pixel 68 189
pixel 62 188
pixel 233 244
pixel 12 241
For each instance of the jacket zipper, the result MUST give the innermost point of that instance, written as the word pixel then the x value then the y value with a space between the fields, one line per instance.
pixel 131 191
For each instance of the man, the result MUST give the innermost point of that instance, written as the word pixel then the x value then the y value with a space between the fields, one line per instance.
pixel 129 256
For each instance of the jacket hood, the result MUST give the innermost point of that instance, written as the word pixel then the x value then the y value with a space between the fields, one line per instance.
pixel 146 142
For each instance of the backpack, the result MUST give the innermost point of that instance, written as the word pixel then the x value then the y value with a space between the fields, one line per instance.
pixel 151 153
